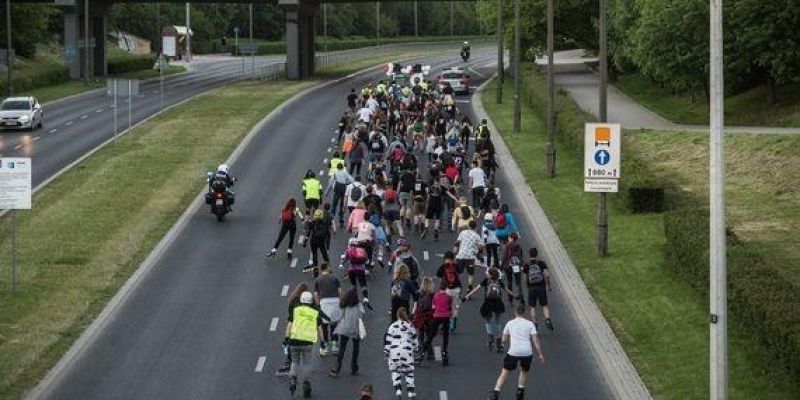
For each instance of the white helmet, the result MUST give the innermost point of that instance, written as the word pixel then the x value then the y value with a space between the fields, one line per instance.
pixel 223 168
pixel 306 298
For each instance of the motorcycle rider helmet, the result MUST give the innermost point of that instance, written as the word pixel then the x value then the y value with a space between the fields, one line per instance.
pixel 223 168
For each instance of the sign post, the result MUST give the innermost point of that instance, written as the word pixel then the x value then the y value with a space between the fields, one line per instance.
pixel 15 194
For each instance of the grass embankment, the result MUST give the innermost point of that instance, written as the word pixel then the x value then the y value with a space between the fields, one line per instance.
pixel 749 108
pixel 266 47
pixel 47 94
pixel 660 320
pixel 90 228
pixel 355 66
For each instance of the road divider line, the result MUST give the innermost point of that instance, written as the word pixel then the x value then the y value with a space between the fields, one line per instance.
pixel 437 350
pixel 442 395
pixel 294 263
pixel 260 363
pixel 285 290
pixel 274 324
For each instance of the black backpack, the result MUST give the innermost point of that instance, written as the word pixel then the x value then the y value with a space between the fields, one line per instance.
pixel 355 193
pixel 494 290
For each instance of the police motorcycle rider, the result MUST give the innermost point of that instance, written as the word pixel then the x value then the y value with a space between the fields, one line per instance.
pixel 221 180
pixel 465 51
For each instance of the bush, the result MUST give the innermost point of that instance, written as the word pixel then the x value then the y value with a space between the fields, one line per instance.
pixel 640 190
pixel 36 74
pixel 759 298
pixel 120 64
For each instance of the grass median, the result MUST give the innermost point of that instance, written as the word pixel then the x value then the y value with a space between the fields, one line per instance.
pixel 90 228
pixel 660 320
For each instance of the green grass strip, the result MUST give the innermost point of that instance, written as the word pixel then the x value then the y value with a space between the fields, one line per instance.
pixel 90 228
pixel 661 321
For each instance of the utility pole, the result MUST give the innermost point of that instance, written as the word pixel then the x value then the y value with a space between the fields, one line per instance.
pixel 9 61
pixel 252 47
pixel 416 20
pixel 378 21
pixel 188 33
pixel 602 203
pixel 717 290
pixel 158 27
pixel 551 97
pixel 325 24
pixel 500 68
pixel 86 41
pixel 452 26
pixel 517 109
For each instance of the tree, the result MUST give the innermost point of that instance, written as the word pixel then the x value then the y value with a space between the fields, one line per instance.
pixel 29 24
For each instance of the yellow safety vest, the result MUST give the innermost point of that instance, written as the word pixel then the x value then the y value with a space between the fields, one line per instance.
pixel 304 324
pixel 334 162
pixel 312 187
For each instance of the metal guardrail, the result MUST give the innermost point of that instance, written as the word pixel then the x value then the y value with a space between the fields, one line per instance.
pixel 277 71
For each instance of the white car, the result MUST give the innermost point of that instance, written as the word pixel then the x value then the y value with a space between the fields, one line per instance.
pixel 457 79
pixel 21 113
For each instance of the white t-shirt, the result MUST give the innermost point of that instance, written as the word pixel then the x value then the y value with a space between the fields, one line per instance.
pixel 364 114
pixel 468 244
pixel 520 330
pixel 366 232
pixel 372 104
pixel 478 177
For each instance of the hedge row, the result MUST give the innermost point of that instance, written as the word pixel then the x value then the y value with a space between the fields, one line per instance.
pixel 764 303
pixel 44 75
pixel 129 63
pixel 640 190
pixel 268 48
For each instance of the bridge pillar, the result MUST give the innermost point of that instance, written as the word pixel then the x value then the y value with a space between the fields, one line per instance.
pixel 74 49
pixel 300 34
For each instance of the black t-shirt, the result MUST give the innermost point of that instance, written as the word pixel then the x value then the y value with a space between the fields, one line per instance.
pixel 407 182
pixel 351 100
pixel 447 90
pixel 542 266
pixel 372 199
pixel 485 285
pixel 419 191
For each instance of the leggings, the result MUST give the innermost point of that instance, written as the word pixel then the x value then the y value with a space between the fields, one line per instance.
pixel 491 254
pixel 343 339
pixel 442 324
pixel 355 167
pixel 318 245
pixel 514 280
pixel 289 227
pixel 358 277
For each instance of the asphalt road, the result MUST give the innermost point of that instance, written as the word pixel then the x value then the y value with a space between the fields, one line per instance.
pixel 208 320
pixel 75 126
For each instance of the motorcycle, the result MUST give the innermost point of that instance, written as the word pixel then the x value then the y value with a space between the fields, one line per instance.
pixel 465 55
pixel 219 204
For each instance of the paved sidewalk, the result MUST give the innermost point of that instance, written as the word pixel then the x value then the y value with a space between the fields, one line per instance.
pixel 618 371
pixel 583 86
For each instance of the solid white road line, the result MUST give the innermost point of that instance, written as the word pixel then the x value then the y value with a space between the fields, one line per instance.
pixel 442 395
pixel 426 255
pixel 69 123
pixel 274 324
pixel 294 263
pixel 284 290
pixel 437 351
pixel 260 364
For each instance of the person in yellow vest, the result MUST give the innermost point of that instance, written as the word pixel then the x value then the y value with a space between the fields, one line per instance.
pixel 312 191
pixel 335 161
pixel 303 330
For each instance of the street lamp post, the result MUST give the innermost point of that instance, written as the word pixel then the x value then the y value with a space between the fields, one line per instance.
pixel 500 67
pixel 9 61
pixel 86 41
pixel 717 256
pixel 416 20
pixel 452 22
pixel 188 33
pixel 602 198
pixel 378 21
pixel 517 109
pixel 551 98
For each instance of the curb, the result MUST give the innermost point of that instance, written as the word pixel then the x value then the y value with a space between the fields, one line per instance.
pixel 44 388
pixel 620 375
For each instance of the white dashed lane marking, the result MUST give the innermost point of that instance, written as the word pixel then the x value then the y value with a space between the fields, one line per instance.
pixel 99 110
pixel 274 324
pixel 69 123
pixel 37 138
pixel 442 395
pixel 84 116
pixel 437 350
pixel 285 290
pixel 321 172
pixel 426 255
pixel 325 161
pixel 294 262
pixel 260 363
pixel 53 130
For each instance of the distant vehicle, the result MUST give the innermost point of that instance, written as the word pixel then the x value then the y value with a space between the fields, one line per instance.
pixel 457 79
pixel 21 113
pixel 401 79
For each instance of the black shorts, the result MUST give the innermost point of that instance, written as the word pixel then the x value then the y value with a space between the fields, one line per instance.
pixel 468 265
pixel 510 362
pixel 433 213
pixel 537 295
pixel 391 215
pixel 312 204
pixel 358 277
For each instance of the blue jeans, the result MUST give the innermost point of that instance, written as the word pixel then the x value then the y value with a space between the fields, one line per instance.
pixel 493 325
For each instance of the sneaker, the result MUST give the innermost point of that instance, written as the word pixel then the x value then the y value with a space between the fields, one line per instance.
pixel 309 267
pixel 453 324
pixel 272 252
pixel 323 352
pixel 500 347
pixel 445 359
pixel 366 303
pixel 520 393
pixel 306 389
pixel 549 324
pixel 491 343
pixel 398 393
pixel 412 395
pixel 289 254
pixel 494 395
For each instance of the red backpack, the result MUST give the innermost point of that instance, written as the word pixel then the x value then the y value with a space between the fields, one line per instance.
pixel 451 274
pixel 398 154
pixel 287 215
pixel 391 196
pixel 358 256
pixel 500 221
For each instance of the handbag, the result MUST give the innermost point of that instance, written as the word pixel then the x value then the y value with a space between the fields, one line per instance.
pixel 362 330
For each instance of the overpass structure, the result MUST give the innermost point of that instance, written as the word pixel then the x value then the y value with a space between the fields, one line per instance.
pixel 81 16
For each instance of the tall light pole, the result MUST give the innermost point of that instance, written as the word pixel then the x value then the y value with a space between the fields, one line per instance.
pixel 452 26
pixel 500 67
pixel 378 21
pixel 9 61
pixel 717 256
pixel 325 24
pixel 416 20
pixel 517 109
pixel 86 42
pixel 602 198
pixel 551 98
pixel 188 33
